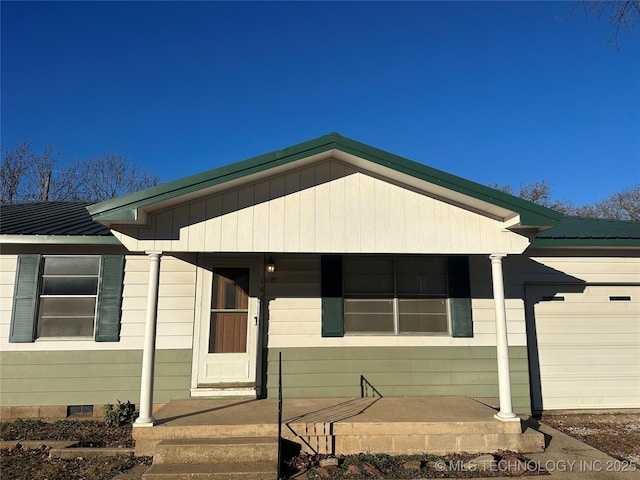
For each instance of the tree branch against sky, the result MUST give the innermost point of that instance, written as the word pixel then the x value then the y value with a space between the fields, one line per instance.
pixel 31 176
pixel 623 205
pixel 621 16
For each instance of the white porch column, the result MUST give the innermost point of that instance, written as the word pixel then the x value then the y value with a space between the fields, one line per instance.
pixel 502 345
pixel 149 350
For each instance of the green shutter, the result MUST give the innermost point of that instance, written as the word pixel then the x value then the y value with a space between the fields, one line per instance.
pixel 109 298
pixel 460 296
pixel 332 302
pixel 25 297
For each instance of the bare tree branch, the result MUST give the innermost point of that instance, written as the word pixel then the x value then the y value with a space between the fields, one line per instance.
pixel 622 16
pixel 42 176
pixel 12 171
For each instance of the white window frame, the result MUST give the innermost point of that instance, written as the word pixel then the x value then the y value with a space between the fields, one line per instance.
pixel 41 279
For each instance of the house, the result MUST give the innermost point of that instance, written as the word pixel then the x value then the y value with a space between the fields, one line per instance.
pixel 354 263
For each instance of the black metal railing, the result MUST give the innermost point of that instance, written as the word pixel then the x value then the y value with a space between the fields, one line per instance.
pixel 365 387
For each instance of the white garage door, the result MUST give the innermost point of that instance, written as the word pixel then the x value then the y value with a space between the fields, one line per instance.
pixel 588 340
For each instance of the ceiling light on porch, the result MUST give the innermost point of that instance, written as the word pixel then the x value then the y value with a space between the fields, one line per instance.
pixel 271 265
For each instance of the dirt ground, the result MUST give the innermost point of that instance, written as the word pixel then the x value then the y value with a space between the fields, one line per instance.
pixel 615 434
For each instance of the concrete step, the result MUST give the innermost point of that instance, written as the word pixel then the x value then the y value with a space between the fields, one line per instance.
pixel 147 438
pixel 219 471
pixel 400 443
pixel 216 450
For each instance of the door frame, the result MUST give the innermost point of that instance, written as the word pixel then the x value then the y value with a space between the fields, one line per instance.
pixel 204 278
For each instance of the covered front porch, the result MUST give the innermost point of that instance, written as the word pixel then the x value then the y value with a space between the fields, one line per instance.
pixel 341 425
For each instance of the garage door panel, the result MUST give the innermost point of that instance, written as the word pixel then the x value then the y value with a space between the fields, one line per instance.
pixel 588 345
pixel 594 402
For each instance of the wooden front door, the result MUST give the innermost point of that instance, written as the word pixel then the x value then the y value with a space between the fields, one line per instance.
pixel 228 331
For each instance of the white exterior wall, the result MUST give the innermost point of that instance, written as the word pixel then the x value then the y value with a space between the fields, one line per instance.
pixel 327 207
pixel 590 266
pixel 175 307
pixel 8 267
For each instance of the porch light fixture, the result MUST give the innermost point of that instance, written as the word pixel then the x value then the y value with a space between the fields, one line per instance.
pixel 271 265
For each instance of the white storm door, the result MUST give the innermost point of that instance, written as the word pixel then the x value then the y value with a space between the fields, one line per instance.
pixel 228 329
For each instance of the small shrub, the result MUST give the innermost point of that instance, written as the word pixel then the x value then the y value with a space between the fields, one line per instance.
pixel 121 414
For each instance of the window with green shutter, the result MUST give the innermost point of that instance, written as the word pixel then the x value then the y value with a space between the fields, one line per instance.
pixel 67 296
pixel 396 295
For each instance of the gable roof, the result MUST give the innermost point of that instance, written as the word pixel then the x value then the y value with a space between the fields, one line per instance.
pixel 590 232
pixel 51 222
pixel 134 207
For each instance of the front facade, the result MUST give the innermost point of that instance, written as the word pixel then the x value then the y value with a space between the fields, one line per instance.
pixel 364 269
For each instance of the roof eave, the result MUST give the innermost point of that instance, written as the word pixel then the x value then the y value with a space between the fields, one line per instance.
pixel 128 209
pixel 585 243
pixel 58 240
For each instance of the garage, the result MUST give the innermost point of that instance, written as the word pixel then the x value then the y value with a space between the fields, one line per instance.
pixel 584 346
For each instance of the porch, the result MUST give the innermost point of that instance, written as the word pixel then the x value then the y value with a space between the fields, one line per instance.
pixel 341 425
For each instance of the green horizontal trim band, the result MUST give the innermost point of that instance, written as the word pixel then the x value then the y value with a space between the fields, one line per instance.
pixel 59 240
pixel 585 242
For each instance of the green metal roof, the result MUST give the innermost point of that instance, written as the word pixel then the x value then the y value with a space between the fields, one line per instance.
pixel 125 208
pixel 578 231
pixel 51 222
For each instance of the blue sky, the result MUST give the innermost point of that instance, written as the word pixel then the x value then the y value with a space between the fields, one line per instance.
pixel 494 92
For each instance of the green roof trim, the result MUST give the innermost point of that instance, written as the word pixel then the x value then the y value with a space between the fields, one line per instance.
pixel 590 232
pixel 124 209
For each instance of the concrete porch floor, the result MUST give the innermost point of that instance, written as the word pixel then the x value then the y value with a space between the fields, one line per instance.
pixel 345 426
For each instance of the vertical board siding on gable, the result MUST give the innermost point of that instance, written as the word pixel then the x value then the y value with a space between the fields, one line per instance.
pixel 328 207
pixel 397 371
pixel 89 377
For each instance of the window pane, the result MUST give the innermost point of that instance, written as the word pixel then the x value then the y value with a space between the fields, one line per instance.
pixel 230 288
pixel 421 275
pixel 228 333
pixel 423 316
pixel 65 327
pixel 69 285
pixel 71 265
pixel 368 284
pixel 421 265
pixel 65 307
pixel 368 265
pixel 368 315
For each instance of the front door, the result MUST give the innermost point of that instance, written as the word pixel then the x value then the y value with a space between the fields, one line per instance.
pixel 228 330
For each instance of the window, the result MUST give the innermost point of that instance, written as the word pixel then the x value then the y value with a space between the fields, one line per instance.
pixel 395 295
pixel 67 296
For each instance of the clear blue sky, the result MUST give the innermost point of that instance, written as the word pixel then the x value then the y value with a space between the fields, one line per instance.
pixel 494 92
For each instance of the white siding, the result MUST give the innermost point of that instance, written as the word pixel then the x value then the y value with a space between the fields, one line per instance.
pixel 176 306
pixel 326 207
pixel 8 267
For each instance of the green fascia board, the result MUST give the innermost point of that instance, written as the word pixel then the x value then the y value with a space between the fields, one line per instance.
pixel 124 208
pixel 58 240
pixel 585 242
